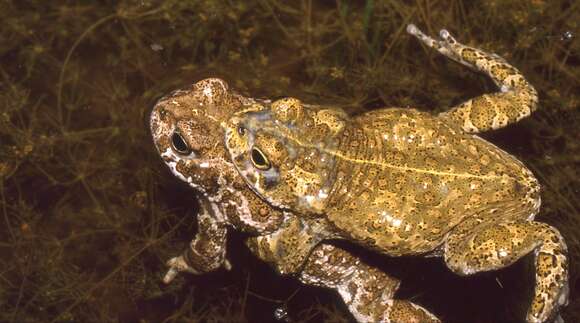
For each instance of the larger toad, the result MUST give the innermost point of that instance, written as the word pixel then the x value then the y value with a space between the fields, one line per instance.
pixel 404 182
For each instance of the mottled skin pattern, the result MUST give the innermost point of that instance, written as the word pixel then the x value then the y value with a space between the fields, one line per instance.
pixel 187 128
pixel 404 182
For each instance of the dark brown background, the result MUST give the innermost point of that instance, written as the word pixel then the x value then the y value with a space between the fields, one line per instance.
pixel 89 214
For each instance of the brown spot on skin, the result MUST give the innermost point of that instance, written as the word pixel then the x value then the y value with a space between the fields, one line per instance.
pixel 469 55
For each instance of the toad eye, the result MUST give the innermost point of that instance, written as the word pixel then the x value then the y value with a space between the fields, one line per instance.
pixel 260 160
pixel 241 130
pixel 179 145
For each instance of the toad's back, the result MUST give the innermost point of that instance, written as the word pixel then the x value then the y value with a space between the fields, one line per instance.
pixel 404 182
pixel 414 177
pixel 397 180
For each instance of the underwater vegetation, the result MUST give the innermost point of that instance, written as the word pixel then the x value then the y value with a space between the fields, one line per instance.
pixel 89 214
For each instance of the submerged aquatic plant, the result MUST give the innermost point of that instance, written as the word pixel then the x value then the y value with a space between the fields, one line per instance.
pixel 89 215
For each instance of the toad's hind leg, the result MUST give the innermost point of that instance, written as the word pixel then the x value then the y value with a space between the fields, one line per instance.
pixel 517 98
pixel 495 246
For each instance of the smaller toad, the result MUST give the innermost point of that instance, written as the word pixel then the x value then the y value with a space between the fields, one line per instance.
pixel 187 128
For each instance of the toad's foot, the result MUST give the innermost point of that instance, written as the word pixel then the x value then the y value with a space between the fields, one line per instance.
pixel 178 264
pixel 206 252
pixel 447 46
pixel 495 246
pixel 517 98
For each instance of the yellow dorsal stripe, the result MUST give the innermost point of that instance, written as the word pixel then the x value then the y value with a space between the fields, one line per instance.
pixel 337 154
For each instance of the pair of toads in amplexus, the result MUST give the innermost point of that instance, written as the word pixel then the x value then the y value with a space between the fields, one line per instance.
pixel 398 181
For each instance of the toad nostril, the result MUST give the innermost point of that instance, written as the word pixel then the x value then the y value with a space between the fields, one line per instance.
pixel 179 145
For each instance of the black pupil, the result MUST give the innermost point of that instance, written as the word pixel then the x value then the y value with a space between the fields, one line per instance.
pixel 259 158
pixel 241 130
pixel 179 144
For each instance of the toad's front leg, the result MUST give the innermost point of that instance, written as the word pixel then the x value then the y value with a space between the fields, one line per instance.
pixel 297 248
pixel 367 291
pixel 206 251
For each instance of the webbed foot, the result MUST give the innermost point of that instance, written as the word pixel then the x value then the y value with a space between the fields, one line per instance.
pixel 515 100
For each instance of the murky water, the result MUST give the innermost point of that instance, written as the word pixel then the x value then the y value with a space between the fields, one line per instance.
pixel 90 214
